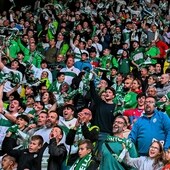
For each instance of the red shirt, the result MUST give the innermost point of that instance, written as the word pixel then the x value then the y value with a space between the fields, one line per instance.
pixel 166 167
pixel 162 47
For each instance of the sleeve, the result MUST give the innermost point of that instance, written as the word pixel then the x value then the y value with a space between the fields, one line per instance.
pixel 132 151
pixel 92 135
pixel 104 76
pixel 70 137
pixel 8 144
pixel 72 44
pixel 64 49
pixel 24 50
pixel 57 150
pixel 93 93
pixel 13 49
pixel 114 62
pixel 134 133
pixel 38 61
pixel 6 70
pixel 166 124
pixel 130 100
pixel 134 162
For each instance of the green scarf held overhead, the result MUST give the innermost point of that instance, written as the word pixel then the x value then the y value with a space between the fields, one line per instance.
pixel 82 163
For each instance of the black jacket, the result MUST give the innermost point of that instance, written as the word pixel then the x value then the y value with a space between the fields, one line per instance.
pixel 25 159
pixel 57 155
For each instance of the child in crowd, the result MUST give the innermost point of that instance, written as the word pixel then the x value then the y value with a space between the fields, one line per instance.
pixel 85 160
pixel 151 162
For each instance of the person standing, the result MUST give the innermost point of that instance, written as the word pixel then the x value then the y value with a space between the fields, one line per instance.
pixel 113 147
pixel 152 125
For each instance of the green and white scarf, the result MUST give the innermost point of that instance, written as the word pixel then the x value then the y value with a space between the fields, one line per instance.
pixel 82 163
pixel 128 144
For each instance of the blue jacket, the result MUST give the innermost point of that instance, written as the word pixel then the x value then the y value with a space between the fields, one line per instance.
pixel 146 129
pixel 83 64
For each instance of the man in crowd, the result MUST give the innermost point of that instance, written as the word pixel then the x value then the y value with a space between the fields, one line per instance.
pixel 113 147
pixel 152 125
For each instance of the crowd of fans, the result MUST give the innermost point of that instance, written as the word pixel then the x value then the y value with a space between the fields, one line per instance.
pixel 85 85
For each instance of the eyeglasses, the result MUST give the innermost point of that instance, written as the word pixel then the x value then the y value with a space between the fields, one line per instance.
pixel 149 102
pixel 152 147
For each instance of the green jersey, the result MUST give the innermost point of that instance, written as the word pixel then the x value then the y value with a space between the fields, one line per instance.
pixel 137 56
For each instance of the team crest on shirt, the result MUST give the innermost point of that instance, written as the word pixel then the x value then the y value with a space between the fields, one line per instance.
pixel 154 120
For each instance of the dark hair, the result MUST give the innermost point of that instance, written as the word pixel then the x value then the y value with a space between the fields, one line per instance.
pixel 19 101
pixel 39 138
pixel 88 143
pixel 59 74
pixel 41 103
pixel 24 117
pixel 30 96
pixel 41 85
pixel 15 60
pixel 20 52
pixel 112 89
pixel 44 61
pixel 61 130
pixel 15 95
pixel 141 95
pixel 69 106
pixel 52 99
pixel 115 68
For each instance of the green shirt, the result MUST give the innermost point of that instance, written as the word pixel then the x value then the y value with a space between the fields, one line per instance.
pixel 137 56
pixel 152 52
pixel 124 66
pixel 13 49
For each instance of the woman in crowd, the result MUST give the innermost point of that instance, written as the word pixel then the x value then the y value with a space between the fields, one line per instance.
pixel 48 99
pixel 136 86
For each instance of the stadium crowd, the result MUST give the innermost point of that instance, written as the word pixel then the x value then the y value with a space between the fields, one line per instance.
pixel 85 85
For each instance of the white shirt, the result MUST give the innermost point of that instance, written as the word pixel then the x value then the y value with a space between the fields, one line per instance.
pixel 8 87
pixel 70 73
pixel 68 123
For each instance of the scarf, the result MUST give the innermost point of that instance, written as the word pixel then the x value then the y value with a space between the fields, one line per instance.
pixel 126 142
pixel 82 163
